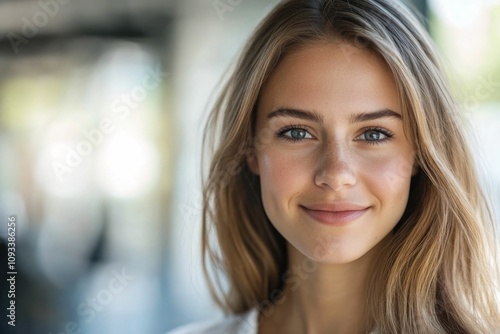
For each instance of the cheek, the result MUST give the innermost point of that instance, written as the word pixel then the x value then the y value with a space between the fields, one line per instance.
pixel 389 178
pixel 282 177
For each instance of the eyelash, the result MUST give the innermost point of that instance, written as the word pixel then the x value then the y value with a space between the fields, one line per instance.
pixel 388 134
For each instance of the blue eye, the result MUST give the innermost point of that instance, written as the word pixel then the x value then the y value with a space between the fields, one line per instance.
pixel 294 134
pixel 375 135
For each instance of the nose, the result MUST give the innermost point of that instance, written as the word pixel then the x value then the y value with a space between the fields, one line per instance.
pixel 335 169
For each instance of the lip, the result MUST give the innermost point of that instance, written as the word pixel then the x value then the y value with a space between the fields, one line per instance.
pixel 336 214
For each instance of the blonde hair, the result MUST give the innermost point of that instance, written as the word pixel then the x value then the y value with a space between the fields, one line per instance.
pixel 439 272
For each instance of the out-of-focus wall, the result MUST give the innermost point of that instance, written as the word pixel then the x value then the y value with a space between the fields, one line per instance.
pixel 86 164
pixel 468 36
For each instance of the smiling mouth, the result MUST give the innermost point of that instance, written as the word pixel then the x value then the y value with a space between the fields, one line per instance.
pixel 335 218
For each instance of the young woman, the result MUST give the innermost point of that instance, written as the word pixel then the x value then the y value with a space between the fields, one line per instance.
pixel 342 196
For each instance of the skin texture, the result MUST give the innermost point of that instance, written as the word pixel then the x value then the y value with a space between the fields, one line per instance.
pixel 335 160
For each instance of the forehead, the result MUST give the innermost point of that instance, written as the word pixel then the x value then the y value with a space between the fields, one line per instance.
pixel 331 77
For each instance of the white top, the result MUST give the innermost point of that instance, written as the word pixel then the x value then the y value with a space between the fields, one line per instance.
pixel 237 324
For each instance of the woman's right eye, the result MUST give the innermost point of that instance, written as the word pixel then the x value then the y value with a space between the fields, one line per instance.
pixel 295 134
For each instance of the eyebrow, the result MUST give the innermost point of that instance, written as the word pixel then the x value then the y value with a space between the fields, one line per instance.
pixel 296 113
pixel 369 116
pixel 311 116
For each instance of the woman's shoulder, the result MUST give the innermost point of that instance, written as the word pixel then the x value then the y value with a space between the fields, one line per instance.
pixel 237 324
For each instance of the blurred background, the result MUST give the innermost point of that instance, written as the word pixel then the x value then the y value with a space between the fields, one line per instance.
pixel 102 104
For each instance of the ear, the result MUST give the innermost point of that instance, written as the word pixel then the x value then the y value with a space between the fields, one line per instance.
pixel 253 163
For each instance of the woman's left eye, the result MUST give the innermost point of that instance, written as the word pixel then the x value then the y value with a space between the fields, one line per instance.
pixel 375 136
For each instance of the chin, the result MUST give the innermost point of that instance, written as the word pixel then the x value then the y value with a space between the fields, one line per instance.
pixel 334 255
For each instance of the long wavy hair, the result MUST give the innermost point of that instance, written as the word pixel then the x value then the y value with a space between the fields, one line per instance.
pixel 439 273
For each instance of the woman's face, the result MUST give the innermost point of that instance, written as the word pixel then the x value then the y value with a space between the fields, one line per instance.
pixel 334 163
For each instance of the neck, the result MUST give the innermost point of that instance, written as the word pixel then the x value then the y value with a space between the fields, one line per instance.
pixel 322 298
